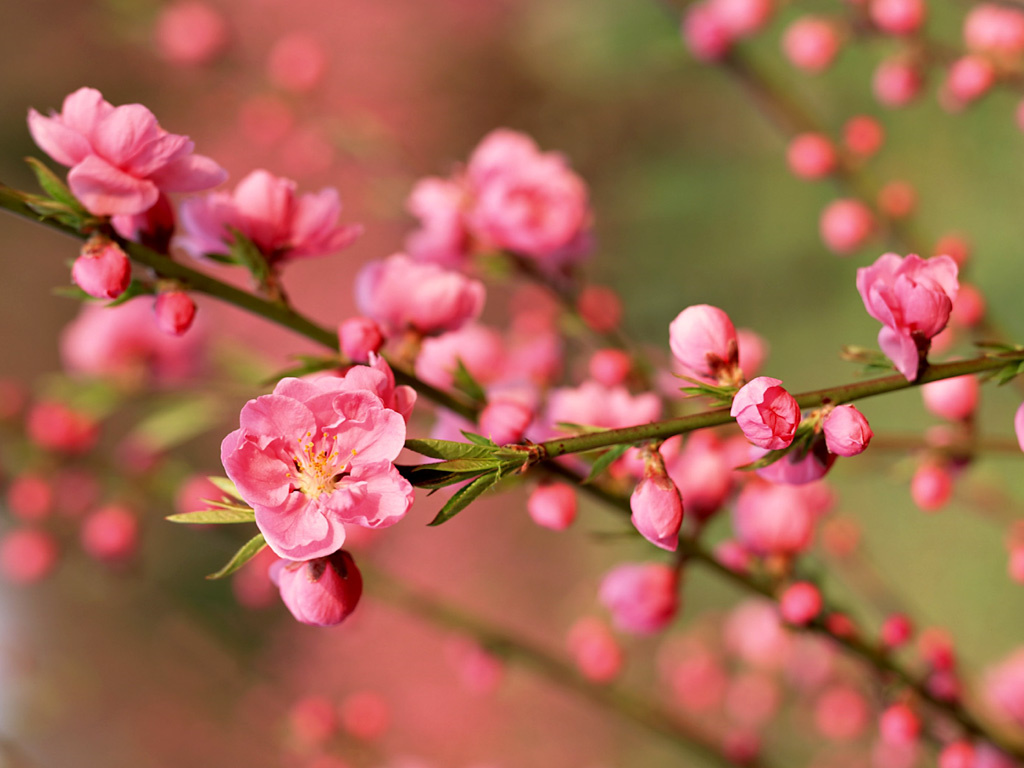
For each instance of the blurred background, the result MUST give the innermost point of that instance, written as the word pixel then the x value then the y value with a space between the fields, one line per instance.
pixel 151 665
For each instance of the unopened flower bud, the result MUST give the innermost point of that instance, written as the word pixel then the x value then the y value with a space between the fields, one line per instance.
pixel 899 724
pixel 110 534
pixel 931 486
pixel 657 511
pixel 102 270
pixel 800 603
pixel 175 312
pixel 552 505
pixel 321 592
pixel 505 420
pixel 595 651
pixel 847 432
pixel 954 399
pixel 703 339
pixel 27 555
pixel 358 337
pixel 896 630
pixel 642 597
pixel 767 413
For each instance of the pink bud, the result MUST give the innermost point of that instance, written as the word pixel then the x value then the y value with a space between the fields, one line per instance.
pixel 102 270
pixel 358 337
pixel 56 427
pixel 968 79
pixel 846 225
pixel 897 83
pixel 505 420
pixel 752 698
pixel 936 647
pixel 175 312
pixel 847 432
pixel 706 33
pixel 30 498
pixel 366 715
pixel 657 511
pixel 863 135
pixel 703 340
pixel 840 713
pixel 774 519
pixel 898 17
pixel 610 366
pixel 1015 567
pixel 800 603
pixel 642 597
pixel 190 32
pixel 955 246
pixel 321 592
pixel 931 486
pixel 110 534
pixel 955 399
pixel 27 555
pixel 959 754
pixel 897 199
pixel 1018 425
pixel 552 505
pixel 297 63
pixel 969 307
pixel 767 413
pixel 899 724
pixel 479 670
pixel 743 17
pixel 600 307
pixel 812 156
pixel 811 43
pixel 840 537
pixel 995 29
pixel 595 651
pixel 896 630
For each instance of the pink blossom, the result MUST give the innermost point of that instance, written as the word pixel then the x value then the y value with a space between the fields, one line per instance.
pixel 27 555
pixel 899 724
pixel 897 630
pixel 841 713
pixel 552 505
pixel 912 298
pixel 610 366
pixel 766 412
pixel 800 603
pixel 754 633
pixel 524 200
pixel 30 497
pixel 796 467
pixel 958 754
pixel 751 699
pixel 322 591
pixel 124 343
pixel 968 79
pixel 400 294
pixel 594 405
pixel 313 720
pixel 505 420
pixel 743 17
pixel 378 378
pixel 657 511
pixel 266 209
pixel 600 308
pixel 642 597
pixel 863 135
pixel 706 32
pixel 931 486
pixel 995 29
pixel 58 427
pixel 898 17
pixel 479 347
pixel 969 307
pixel 297 63
pixel 175 312
pixel 847 432
pixel 442 237
pixel 313 457
pixel 897 199
pixel 365 715
pixel 594 649
pixel 774 519
pixel 703 340
pixel 102 269
pixel 190 32
pixel 111 533
pixel 1018 425
pixel 1003 687
pixel 358 337
pixel 955 399
pixel 120 158
pixel 703 474
pixel 812 156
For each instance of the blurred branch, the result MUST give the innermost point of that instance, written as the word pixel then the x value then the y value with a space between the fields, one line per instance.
pixel 618 700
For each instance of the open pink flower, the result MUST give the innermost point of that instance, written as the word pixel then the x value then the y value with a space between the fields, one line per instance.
pixel 120 157
pixel 912 297
pixel 316 456
pixel 400 293
pixel 266 209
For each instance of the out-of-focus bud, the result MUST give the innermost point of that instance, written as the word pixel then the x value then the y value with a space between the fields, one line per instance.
pixel 642 597
pixel 175 312
pixel 552 505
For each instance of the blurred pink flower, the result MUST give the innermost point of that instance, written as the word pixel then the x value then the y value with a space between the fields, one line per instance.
pixel 266 209
pixel 120 157
pixel 642 597
pixel 316 456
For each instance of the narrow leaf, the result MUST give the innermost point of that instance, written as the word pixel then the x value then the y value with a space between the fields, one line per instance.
pixel 463 498
pixel 226 486
pixel 464 381
pixel 422 476
pixel 221 514
pixel 476 439
pixel 249 550
pixel 767 460
pixel 447 449
pixel 53 186
pixel 245 252
pixel 466 466
pixel 604 461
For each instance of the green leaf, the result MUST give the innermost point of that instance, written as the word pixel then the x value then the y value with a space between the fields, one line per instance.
pixel 249 550
pixel 464 382
pixel 245 252
pixel 767 460
pixel 463 497
pixel 222 514
pixel 226 487
pixel 466 466
pixel 476 439
pixel 604 461
pixel 447 449
pixel 54 187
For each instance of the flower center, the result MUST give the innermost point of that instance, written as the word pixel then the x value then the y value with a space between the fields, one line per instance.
pixel 318 465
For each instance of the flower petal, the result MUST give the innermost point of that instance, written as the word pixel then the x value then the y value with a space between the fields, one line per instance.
pixel 107 191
